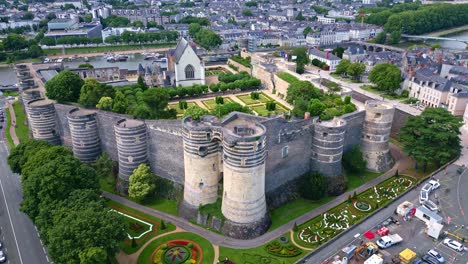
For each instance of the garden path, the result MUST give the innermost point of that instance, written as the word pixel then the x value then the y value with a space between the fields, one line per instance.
pixel 291 238
pixel 216 254
pixel 123 258
pixel 13 124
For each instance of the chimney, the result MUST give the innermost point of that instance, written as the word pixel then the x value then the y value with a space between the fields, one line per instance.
pixel 306 115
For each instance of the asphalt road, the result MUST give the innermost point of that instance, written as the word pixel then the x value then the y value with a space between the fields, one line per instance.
pixel 18 234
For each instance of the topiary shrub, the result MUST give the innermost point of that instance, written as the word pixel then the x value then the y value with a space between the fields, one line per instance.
pixel 219 100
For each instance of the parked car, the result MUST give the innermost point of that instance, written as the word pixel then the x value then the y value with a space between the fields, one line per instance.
pixel 436 255
pixel 435 184
pixel 423 197
pixel 455 245
pixel 2 256
pixel 431 206
pixel 427 188
pixel 430 259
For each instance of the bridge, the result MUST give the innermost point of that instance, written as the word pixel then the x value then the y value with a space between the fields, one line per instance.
pixel 434 38
pixel 377 47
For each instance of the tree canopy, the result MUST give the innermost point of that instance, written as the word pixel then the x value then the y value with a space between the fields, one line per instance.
pixel 302 58
pixel 313 186
pixel 64 87
pixel 353 160
pixel 195 112
pixel 303 90
pixel 92 91
pixel 142 183
pixel 432 137
pixel 386 77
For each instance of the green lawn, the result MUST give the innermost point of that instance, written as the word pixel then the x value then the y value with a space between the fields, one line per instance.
pixel 294 209
pixel 211 103
pixel 7 128
pixel 287 77
pixel 163 205
pixel 22 129
pixel 180 112
pixel 206 246
pixel 58 51
pixel 257 255
pixel 357 179
pixel 126 244
pixel 337 76
pixel 262 111
pixel 246 99
pixel 371 89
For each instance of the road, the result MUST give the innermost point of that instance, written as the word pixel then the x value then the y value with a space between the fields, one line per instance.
pixel 18 234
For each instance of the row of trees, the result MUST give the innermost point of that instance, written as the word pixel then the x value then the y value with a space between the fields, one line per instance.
pixel 70 40
pixel 130 36
pixel 206 38
pixel 61 196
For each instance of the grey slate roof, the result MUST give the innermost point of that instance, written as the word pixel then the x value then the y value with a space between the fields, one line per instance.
pixel 180 48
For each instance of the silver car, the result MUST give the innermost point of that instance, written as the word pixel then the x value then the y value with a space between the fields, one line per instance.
pixel 436 255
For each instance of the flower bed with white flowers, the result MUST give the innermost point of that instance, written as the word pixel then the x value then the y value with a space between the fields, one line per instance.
pixel 323 227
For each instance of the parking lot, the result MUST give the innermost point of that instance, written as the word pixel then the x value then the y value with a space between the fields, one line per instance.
pixel 452 200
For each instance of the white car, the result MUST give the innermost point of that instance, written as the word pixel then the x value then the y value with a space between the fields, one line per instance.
pixel 423 197
pixel 435 184
pixel 2 256
pixel 427 188
pixel 431 206
pixel 436 255
pixel 455 245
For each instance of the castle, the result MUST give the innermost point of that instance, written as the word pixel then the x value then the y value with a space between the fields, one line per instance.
pixel 246 161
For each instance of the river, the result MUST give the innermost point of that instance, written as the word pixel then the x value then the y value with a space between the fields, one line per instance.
pixel 453 45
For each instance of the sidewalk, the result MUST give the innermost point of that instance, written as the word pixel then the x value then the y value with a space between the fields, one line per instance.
pixel 13 124
pixel 220 240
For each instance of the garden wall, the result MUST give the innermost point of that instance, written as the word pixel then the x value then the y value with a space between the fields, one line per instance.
pixel 281 85
pixel 263 75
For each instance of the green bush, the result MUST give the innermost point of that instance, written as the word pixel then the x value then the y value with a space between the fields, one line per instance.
pixel 183 105
pixel 313 186
pixel 405 93
pixel 353 160
pixel 254 95
pixel 219 100
pixel 271 106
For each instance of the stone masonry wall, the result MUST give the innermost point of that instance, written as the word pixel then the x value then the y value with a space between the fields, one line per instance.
pixel 264 76
pixel 240 66
pixel 281 85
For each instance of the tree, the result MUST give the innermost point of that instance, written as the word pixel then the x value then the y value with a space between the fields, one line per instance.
pixel 342 67
pixel 304 90
pixel 432 137
pixel 20 154
pixel 395 37
pixel 386 77
pixel 93 255
pixel 86 66
pixel 194 28
pixel 381 37
pixel 14 42
pixel 35 51
pixel 120 103
pixel 307 30
pixel 302 58
pixel 50 175
pixel 103 165
pixel 28 16
pixel 105 103
pixel 48 41
pixel 92 91
pixel 300 17
pixel 300 107
pixel 316 107
pixel 195 112
pixel 247 12
pixel 141 83
pixel 64 87
pixel 353 160
pixel 313 186
pixel 208 39
pixel 162 225
pixel 338 51
pixel 355 70
pixel 222 110
pixel 142 183
pixel 156 99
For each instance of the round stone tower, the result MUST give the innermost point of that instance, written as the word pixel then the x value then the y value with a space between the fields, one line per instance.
pixel 29 95
pixel 201 163
pixel 42 118
pixel 327 146
pixel 132 149
pixel 244 204
pixel 376 134
pixel 84 134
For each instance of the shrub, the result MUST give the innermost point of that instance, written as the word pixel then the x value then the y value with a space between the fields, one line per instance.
pixel 313 186
pixel 219 100
pixel 271 106
pixel 353 160
pixel 405 93
pixel 295 227
pixel 254 95
pixel 214 88
pixel 183 105
pixel 162 225
pixel 347 99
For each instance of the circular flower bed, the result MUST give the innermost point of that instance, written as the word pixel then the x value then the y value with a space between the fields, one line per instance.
pixel 177 252
pixel 362 206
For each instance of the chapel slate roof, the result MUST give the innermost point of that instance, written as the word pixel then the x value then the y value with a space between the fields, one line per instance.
pixel 180 48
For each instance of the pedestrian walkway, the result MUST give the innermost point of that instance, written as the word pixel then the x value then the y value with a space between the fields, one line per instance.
pixel 220 240
pixel 13 124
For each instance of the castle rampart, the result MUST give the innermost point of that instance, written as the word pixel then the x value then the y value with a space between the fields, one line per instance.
pixel 41 115
pixel 84 134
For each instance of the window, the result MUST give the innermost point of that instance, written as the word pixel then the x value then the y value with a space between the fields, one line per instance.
pixel 189 72
pixel 284 152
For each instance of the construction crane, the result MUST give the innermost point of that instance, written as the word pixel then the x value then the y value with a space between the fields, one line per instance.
pixel 362 15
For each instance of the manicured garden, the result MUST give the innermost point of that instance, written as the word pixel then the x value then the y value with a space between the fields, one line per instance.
pixel 287 77
pixel 278 251
pixel 216 71
pixel 178 248
pixel 248 100
pixel 140 227
pixel 259 102
pixel 180 112
pixel 210 104
pixel 322 228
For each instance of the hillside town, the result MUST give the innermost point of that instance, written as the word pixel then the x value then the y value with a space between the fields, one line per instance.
pixel 216 131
